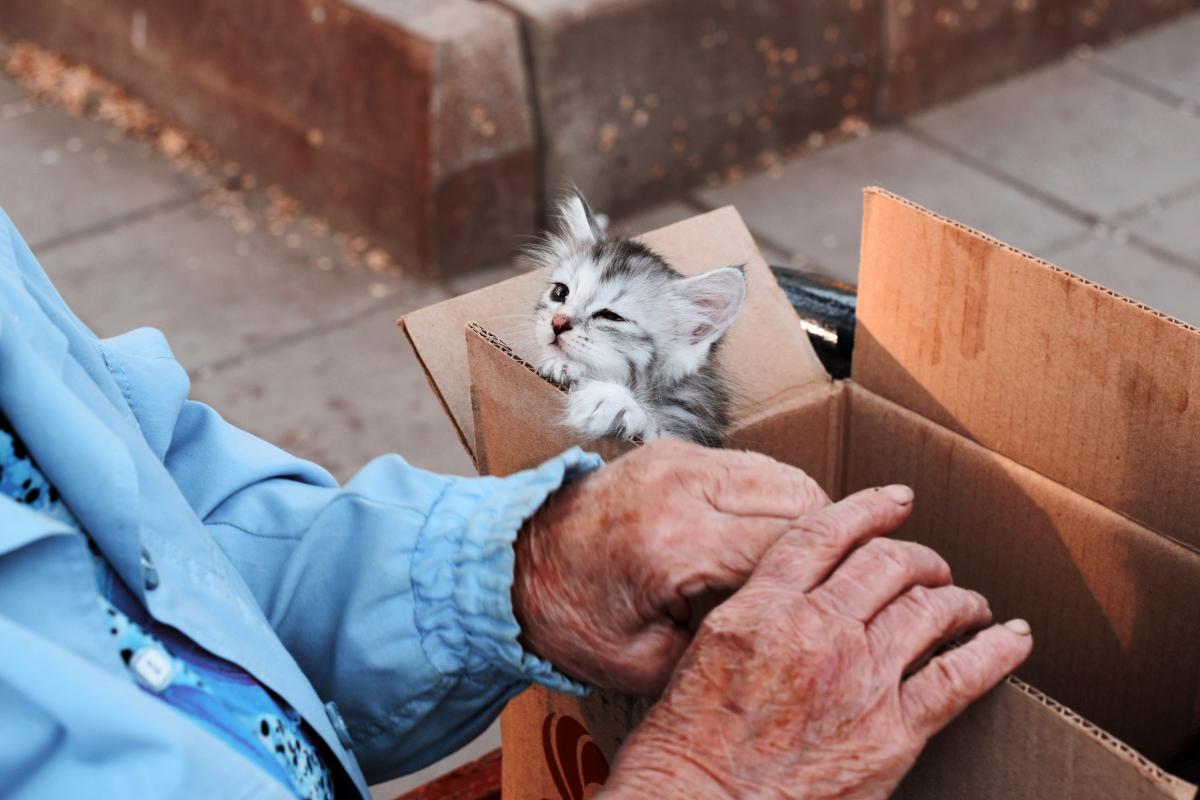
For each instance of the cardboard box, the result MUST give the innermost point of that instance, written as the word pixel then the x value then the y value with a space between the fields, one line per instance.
pixel 1049 427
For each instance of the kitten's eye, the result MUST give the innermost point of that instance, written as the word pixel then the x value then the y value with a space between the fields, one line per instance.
pixel 609 315
pixel 559 293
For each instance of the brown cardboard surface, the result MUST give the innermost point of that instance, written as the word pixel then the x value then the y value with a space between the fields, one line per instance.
pixel 1113 605
pixel 1014 743
pixel 1112 602
pixel 565 741
pixel 805 432
pixel 511 405
pixel 1089 388
pixel 766 352
pixel 514 411
pixel 1017 743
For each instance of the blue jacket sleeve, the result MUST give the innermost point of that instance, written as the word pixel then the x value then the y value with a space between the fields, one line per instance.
pixel 392 592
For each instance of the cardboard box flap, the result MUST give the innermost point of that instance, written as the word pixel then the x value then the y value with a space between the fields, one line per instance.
pixel 1112 604
pixel 1016 742
pixel 510 404
pixel 767 354
pixel 1086 387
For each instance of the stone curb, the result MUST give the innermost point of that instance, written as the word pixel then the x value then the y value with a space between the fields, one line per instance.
pixel 441 127
pixel 409 120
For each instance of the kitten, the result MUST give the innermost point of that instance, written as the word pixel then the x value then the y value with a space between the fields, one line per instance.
pixel 635 340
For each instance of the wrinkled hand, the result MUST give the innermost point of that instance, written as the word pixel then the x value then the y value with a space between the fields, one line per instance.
pixel 796 687
pixel 608 570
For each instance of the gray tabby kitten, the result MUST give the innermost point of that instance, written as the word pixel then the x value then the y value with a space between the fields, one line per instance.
pixel 635 340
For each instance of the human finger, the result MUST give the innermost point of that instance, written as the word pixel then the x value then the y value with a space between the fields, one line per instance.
pixel 879 572
pixel 944 687
pixel 921 619
pixel 805 556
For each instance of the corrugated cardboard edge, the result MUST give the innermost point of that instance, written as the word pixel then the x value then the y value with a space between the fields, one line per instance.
pixel 437 392
pixel 517 413
pixel 1178 788
pixel 1085 386
pixel 498 343
pixel 1091 582
pixel 997 749
pixel 991 240
pixel 528 717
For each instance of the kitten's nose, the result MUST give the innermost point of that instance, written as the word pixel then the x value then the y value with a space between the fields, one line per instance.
pixel 560 324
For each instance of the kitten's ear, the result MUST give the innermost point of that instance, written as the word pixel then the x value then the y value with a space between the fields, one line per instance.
pixel 577 222
pixel 716 297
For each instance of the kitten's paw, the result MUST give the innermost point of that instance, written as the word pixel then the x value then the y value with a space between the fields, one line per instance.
pixel 596 409
pixel 557 370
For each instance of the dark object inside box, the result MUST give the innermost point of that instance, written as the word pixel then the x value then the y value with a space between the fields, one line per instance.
pixel 826 309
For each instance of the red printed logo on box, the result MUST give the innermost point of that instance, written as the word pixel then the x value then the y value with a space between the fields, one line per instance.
pixel 576 764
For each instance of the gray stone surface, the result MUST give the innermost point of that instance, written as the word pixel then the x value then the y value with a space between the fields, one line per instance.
pixel 341 398
pixel 10 91
pixel 813 207
pixel 654 218
pixel 1175 227
pixel 485 276
pixel 1167 58
pixel 1135 273
pixel 217 294
pixel 63 176
pixel 406 119
pixel 1077 135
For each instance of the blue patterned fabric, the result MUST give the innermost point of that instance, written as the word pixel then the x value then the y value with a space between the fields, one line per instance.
pixel 220 696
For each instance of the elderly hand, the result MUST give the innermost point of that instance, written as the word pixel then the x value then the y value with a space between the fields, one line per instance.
pixel 607 571
pixel 810 681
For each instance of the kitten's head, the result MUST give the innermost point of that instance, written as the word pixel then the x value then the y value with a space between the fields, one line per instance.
pixel 613 307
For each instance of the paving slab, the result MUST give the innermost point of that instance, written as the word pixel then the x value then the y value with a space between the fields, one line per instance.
pixel 1076 135
pixel 217 294
pixel 407 119
pixel 10 90
pixel 486 276
pixel 674 211
pixel 1167 58
pixel 937 51
pixel 655 217
pixel 63 176
pixel 1135 273
pixel 813 207
pixel 341 399
pixel 1174 227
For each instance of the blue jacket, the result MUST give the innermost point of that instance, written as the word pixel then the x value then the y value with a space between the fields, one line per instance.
pixel 380 610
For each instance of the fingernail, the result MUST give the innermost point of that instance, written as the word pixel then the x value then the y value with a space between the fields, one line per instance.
pixel 1018 626
pixel 901 495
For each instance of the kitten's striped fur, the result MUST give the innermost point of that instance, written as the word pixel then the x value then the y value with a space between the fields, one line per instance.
pixel 635 340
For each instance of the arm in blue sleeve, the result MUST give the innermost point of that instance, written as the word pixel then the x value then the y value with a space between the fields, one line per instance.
pixel 393 592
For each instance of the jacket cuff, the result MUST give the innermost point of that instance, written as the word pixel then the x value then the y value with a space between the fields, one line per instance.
pixel 462 573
